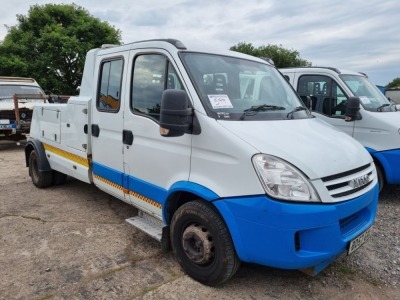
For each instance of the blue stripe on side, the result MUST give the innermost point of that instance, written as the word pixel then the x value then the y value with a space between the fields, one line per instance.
pixel 147 189
pixel 108 173
pixel 390 161
pixel 131 183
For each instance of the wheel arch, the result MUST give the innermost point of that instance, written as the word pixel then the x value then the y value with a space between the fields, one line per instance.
pixel 183 192
pixel 380 164
pixel 43 163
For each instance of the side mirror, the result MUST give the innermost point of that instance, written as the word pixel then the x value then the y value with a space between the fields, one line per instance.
pixel 175 114
pixel 352 109
pixel 308 103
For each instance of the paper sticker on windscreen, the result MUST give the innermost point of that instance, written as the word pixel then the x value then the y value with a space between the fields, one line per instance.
pixel 220 101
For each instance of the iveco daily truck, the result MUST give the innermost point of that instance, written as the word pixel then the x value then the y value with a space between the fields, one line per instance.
pixel 377 126
pixel 220 168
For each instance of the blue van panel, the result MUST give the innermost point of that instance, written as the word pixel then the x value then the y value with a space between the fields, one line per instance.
pixel 390 161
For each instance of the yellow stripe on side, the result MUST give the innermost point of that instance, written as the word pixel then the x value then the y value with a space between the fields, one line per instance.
pixel 76 158
pixel 126 191
pixel 114 185
pixel 147 200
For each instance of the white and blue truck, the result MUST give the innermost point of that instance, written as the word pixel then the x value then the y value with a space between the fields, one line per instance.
pixel 221 169
pixel 377 126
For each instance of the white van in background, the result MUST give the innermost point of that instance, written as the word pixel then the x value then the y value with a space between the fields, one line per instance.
pixel 378 124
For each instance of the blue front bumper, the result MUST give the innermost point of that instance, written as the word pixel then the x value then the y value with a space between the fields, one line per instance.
pixel 291 235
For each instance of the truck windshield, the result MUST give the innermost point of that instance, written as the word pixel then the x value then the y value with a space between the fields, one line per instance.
pixel 239 89
pixel 371 97
pixel 8 91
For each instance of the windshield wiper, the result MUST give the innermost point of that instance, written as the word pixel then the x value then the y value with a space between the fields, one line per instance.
pixel 263 107
pixel 296 109
pixel 380 108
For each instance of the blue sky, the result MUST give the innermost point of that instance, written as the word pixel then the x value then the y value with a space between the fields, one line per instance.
pixel 355 35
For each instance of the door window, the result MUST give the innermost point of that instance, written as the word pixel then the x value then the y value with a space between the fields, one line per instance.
pixel 109 92
pixel 152 75
pixel 326 95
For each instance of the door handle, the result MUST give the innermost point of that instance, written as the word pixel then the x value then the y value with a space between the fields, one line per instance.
pixel 127 137
pixel 95 130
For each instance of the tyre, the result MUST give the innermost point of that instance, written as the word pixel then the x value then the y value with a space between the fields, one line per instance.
pixel 59 178
pixel 381 178
pixel 202 243
pixel 39 178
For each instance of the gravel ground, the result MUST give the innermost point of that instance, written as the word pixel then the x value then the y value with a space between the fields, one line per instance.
pixel 71 242
pixel 380 257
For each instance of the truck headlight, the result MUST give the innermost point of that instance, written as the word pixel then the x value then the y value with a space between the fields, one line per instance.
pixel 283 181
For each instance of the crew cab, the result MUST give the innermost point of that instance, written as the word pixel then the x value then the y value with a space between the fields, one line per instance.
pixel 218 154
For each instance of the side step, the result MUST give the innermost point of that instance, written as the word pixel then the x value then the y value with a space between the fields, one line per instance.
pixel 152 227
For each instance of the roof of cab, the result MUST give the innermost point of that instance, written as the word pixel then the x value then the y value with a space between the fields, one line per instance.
pixel 320 69
pixel 17 80
pixel 173 45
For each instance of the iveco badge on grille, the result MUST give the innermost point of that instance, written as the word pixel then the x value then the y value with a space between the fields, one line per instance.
pixel 360 181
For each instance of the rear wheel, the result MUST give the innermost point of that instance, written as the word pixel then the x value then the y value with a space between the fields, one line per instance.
pixel 202 243
pixel 59 178
pixel 39 178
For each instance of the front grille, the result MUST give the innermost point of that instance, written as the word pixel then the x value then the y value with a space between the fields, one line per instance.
pixel 349 182
pixel 339 175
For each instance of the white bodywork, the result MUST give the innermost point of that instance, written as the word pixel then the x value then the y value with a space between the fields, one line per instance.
pixel 220 158
pixel 376 130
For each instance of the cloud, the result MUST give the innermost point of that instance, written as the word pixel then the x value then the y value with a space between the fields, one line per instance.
pixel 354 34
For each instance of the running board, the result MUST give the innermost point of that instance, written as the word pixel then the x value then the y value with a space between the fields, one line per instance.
pixel 152 227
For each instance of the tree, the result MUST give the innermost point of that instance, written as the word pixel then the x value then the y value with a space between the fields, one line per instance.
pixel 50 45
pixel 282 57
pixel 395 83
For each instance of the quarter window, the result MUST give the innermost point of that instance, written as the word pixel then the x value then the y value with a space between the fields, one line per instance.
pixel 109 94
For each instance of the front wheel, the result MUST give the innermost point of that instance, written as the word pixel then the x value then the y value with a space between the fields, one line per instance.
pixel 202 243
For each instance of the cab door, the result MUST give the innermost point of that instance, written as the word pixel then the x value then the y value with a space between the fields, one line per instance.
pixel 107 124
pixel 328 100
pixel 153 163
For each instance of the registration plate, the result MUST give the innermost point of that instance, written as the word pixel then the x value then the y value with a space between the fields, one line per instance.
pixel 358 241
pixel 6 126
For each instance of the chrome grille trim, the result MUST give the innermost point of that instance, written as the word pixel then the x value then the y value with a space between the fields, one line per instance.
pixel 342 186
